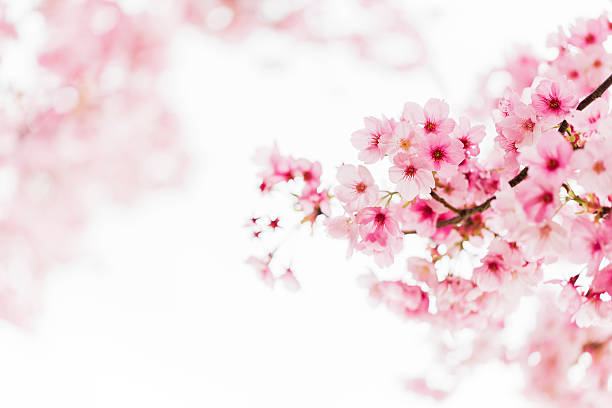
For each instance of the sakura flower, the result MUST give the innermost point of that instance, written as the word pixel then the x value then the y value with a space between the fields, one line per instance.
pixel 544 240
pixel 412 175
pixel 469 136
pixel 400 298
pixel 310 171
pixel 367 140
pixel 492 274
pixel 314 203
pixel 603 280
pixel 550 159
pixel 539 198
pixel 594 166
pixel 442 153
pixel 519 126
pixel 434 117
pixel 586 33
pixel 404 138
pixel 554 98
pixel 376 224
pixel 344 228
pixel 589 242
pixel 357 188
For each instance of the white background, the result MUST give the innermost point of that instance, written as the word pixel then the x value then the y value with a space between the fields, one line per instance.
pixel 160 310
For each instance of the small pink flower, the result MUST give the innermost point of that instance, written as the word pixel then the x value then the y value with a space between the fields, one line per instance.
pixel 434 117
pixel 376 224
pixel 586 33
pixel 469 136
pixel 589 242
pixel 357 188
pixel 344 228
pixel 412 175
pixel 492 274
pixel 400 298
pixel 550 159
pixel 310 171
pixel 594 167
pixel 367 140
pixel 404 138
pixel 554 98
pixel 442 153
pixel 538 197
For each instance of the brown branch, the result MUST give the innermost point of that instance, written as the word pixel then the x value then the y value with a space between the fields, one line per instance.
pixel 445 203
pixel 588 100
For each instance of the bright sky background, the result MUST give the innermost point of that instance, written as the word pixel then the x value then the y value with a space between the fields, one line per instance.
pixel 160 309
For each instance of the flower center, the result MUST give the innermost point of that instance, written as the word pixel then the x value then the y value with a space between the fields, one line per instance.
pixel 547 197
pixel 466 143
pixel 493 266
pixel 307 176
pixel 599 167
pixel 380 218
pixel 597 63
pixel 409 171
pixel 573 74
pixel 437 154
pixel 528 125
pixel 552 164
pixel 361 187
pixel 554 104
pixel 589 39
pixel 405 144
pixel 430 126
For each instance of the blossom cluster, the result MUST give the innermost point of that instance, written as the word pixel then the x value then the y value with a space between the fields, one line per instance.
pixel 86 127
pixel 530 194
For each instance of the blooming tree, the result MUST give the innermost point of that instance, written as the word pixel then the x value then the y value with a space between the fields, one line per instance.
pixel 527 203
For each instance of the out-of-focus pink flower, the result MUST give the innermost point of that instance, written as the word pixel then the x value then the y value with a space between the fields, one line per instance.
pixel 539 198
pixel 550 158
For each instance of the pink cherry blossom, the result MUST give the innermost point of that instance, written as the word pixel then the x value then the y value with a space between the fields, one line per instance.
pixel 412 175
pixel 554 98
pixel 469 136
pixel 539 198
pixel 357 188
pixel 593 164
pixel 493 273
pixel 550 158
pixel 442 153
pixel 377 224
pixel 434 117
pixel 404 139
pixel 367 140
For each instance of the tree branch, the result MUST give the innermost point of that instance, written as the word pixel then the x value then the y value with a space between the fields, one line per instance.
pixel 588 100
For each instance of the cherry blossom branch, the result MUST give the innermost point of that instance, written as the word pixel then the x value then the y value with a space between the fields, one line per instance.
pixel 588 100
pixel 468 212
pixel 462 214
